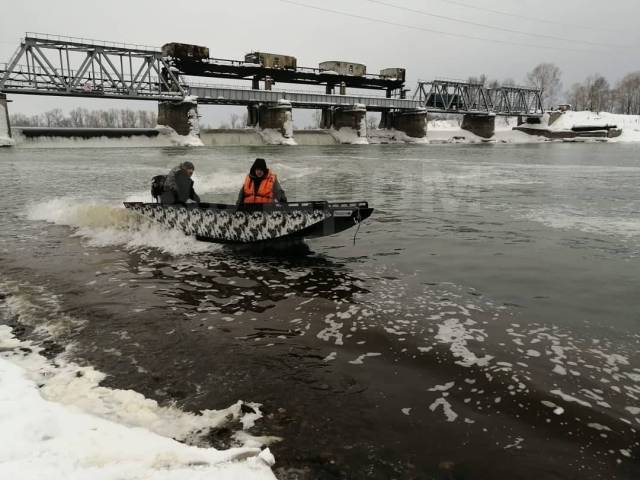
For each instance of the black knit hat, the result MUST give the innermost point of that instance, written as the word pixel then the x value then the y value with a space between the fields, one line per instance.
pixel 187 166
pixel 259 163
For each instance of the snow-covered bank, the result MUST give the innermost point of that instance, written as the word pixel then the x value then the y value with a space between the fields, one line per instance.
pixel 62 424
pixel 391 135
pixel 570 121
pixel 449 131
pixel 6 142
pixel 556 126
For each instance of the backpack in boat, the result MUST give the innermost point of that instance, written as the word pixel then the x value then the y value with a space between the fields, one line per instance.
pixel 157 186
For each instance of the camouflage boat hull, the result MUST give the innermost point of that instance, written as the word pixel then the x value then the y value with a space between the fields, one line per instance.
pixel 230 224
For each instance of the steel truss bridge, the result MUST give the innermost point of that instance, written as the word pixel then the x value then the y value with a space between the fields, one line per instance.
pixel 74 67
pixel 451 96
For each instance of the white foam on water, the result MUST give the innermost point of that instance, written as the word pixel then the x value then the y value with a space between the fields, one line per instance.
pixel 107 224
pixel 450 415
pixel 72 428
pixel 611 225
pixel 516 444
pixel 455 334
pixel 569 398
pixel 442 388
pixel 598 426
pixel 97 142
pixel 360 359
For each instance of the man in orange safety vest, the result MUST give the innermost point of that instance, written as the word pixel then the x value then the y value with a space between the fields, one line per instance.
pixel 261 186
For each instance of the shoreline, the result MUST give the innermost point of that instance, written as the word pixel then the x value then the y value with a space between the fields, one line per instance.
pixel 554 126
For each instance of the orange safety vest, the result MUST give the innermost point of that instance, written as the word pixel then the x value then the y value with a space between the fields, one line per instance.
pixel 265 190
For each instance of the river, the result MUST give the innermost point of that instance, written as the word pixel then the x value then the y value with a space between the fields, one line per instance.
pixel 483 323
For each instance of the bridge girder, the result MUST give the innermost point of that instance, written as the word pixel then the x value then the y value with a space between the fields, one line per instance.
pixel 45 63
pixel 445 96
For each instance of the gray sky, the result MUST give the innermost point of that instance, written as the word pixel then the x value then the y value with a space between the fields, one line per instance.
pixel 606 37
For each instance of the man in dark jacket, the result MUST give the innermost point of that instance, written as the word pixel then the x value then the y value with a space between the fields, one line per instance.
pixel 178 186
pixel 261 186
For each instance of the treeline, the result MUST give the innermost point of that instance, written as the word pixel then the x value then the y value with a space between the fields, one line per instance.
pixel 595 93
pixel 82 117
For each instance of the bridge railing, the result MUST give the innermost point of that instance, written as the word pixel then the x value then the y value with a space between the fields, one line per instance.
pixel 89 41
pixel 274 89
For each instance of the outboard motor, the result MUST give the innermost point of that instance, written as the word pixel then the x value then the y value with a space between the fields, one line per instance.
pixel 157 186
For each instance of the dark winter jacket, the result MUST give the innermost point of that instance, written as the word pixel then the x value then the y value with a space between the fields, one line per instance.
pixel 178 188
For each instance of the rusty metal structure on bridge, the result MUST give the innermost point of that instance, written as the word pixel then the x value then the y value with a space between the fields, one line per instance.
pixel 54 65
pixel 452 96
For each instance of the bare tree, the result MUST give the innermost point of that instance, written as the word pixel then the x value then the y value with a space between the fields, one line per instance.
pixel 81 117
pixel 22 120
pixel 53 118
pixel 627 94
pixel 546 77
pixel 481 80
pixel 577 96
pixel 372 122
pixel 598 93
pixel 593 94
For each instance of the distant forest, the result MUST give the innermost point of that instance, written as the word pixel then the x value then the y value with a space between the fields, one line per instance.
pixel 81 117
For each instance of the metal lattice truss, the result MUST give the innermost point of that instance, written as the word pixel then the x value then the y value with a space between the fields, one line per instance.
pixel 53 65
pixel 517 100
pixel 445 96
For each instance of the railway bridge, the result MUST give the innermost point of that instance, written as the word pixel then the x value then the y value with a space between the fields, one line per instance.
pixel 75 67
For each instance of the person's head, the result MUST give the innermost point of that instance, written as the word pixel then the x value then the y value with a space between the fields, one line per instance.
pixel 259 167
pixel 187 167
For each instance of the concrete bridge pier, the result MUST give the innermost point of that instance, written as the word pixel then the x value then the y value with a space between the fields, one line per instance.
pixel 252 115
pixel 326 118
pixel 351 117
pixel 482 125
pixel 276 116
pixel 181 116
pixel 412 122
pixel 5 126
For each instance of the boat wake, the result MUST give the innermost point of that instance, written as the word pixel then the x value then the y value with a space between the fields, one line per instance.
pixel 104 224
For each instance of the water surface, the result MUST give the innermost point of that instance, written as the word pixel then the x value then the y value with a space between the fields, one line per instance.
pixel 484 324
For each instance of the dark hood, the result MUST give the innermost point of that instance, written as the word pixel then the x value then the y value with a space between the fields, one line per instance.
pixel 261 164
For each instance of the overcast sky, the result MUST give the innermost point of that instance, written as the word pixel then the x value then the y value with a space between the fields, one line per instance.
pixel 582 37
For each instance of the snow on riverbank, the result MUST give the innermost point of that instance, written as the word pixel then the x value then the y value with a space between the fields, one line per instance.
pixel 391 135
pixel 449 131
pixel 62 424
pixel 629 124
pixel 6 142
